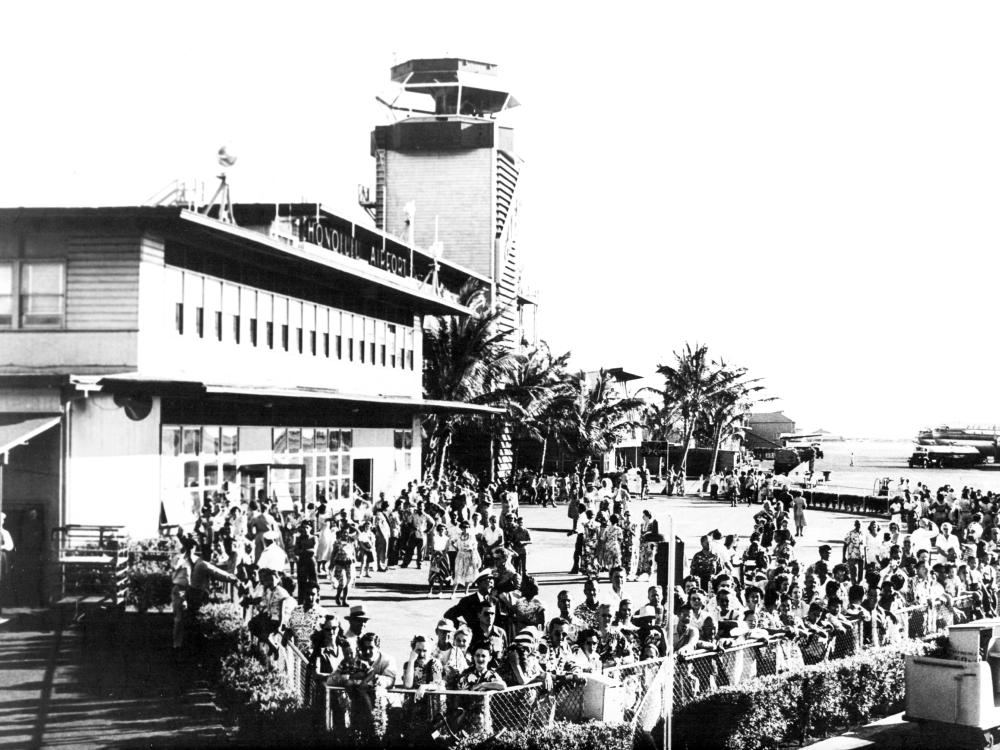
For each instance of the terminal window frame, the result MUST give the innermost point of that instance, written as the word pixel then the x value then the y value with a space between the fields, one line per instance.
pixel 197 461
pixel 402 443
pixel 25 305
pixel 326 454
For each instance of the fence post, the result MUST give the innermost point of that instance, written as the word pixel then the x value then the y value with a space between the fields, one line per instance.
pixel 487 714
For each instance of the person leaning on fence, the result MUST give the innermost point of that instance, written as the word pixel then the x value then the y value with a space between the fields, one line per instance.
pixel 479 677
pixel 274 608
pixel 560 656
pixel 201 577
pixel 521 664
pixel 327 647
pixel 363 675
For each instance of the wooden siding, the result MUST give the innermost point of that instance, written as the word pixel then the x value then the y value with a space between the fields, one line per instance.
pixel 454 186
pixel 102 283
pixel 507 173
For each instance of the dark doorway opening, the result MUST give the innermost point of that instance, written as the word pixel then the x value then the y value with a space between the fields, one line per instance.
pixel 362 468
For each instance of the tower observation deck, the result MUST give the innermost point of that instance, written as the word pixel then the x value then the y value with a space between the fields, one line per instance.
pixel 446 172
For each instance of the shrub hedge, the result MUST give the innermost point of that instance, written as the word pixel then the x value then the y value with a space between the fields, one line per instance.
pixel 810 702
pixel 593 735
pixel 148 573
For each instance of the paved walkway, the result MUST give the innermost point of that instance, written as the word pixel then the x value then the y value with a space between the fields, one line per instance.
pixel 126 690
pixel 59 688
pixel 400 608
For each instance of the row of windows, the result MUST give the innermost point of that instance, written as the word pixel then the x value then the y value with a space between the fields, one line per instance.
pixel 325 453
pixel 32 294
pixel 198 461
pixel 231 313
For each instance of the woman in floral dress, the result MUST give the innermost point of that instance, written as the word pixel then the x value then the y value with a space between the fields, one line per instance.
pixel 588 552
pixel 612 543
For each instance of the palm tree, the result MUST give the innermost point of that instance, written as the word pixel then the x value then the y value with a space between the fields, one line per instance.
pixel 464 359
pixel 598 419
pixel 539 394
pixel 726 411
pixel 702 391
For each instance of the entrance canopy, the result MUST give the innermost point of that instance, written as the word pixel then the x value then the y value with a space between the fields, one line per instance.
pixel 18 430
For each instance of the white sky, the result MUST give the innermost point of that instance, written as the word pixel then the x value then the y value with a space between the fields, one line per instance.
pixel 810 189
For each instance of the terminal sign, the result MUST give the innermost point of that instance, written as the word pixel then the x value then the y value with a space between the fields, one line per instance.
pixel 331 238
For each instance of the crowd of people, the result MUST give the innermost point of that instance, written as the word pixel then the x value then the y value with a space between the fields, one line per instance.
pixel 932 562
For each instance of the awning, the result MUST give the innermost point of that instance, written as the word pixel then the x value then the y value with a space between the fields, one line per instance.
pixel 19 432
pixel 162 385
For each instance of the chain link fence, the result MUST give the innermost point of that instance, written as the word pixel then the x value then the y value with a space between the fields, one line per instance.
pixel 630 693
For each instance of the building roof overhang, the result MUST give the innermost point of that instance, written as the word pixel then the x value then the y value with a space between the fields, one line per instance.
pixel 133 382
pixel 20 430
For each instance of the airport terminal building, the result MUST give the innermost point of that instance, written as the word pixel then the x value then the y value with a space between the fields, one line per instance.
pixel 152 356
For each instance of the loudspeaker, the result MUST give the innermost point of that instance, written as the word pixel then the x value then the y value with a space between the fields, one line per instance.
pixel 662 556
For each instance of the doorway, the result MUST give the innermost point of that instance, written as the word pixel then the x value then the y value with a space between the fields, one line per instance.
pixel 362 468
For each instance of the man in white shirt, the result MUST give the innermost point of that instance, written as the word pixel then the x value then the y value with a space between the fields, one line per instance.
pixel 272 557
pixel 947 542
pixel 923 537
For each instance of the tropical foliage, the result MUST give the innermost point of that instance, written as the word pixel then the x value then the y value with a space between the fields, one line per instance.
pixel 704 398
pixel 465 359
pixel 537 399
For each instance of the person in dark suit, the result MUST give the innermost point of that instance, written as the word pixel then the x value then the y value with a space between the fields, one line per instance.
pixel 468 606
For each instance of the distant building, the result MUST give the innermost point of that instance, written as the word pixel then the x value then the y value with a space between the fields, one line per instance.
pixel 763 432
pixel 769 425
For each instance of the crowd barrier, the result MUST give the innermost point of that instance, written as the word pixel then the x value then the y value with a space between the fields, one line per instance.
pixel 636 694
pixel 705 671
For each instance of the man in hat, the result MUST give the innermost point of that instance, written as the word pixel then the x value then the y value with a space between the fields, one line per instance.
pixel 272 557
pixel 452 660
pixel 468 606
pixel 357 622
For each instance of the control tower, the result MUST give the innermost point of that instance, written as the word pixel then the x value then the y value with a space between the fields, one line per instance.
pixel 446 172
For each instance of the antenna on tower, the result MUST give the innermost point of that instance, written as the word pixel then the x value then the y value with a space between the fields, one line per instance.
pixel 226 159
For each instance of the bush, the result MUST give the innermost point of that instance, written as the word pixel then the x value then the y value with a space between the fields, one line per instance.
pixel 809 702
pixel 148 587
pixel 593 735
pixel 260 699
pixel 148 573
pixel 221 626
